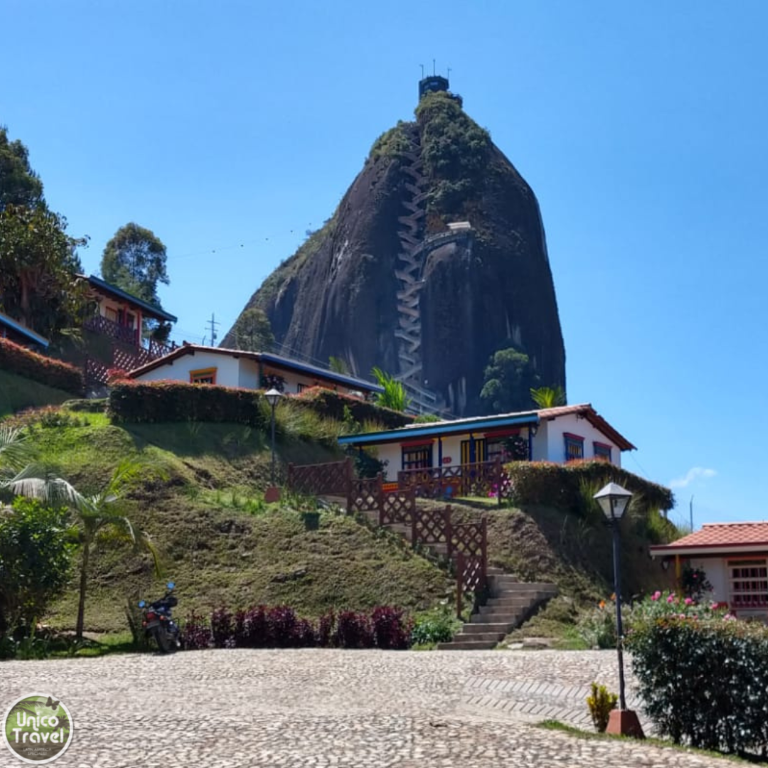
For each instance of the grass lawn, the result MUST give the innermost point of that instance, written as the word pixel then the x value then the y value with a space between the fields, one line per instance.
pixel 17 393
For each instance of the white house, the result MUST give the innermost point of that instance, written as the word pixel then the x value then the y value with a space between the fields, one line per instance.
pixel 250 370
pixel 561 434
pixel 734 557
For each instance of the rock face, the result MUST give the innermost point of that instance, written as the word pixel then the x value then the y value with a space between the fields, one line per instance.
pixel 435 259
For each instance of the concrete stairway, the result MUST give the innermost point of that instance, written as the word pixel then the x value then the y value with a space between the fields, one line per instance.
pixel 510 604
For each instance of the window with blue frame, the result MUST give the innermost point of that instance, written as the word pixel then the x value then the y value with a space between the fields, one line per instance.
pixel 602 451
pixel 574 447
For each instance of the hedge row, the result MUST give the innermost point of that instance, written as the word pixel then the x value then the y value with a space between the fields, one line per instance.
pixel 262 626
pixel 331 404
pixel 559 485
pixel 53 373
pixel 164 401
pixel 704 680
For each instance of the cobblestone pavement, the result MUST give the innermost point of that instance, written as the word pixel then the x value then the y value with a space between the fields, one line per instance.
pixel 356 709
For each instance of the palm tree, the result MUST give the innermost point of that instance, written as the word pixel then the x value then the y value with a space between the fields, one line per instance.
pixel 548 397
pixel 95 514
pixel 394 395
pixel 14 450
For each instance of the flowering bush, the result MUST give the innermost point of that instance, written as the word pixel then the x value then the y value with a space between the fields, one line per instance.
pixel 16 359
pixel 703 675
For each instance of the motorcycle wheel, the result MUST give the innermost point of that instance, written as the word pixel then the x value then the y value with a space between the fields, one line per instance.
pixel 164 643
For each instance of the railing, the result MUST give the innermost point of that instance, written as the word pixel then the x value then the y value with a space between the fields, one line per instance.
pixel 100 324
pixel 333 478
pixel 465 544
pixel 131 336
pixel 486 479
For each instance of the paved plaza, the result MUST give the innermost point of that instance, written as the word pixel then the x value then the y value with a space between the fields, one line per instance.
pixel 294 708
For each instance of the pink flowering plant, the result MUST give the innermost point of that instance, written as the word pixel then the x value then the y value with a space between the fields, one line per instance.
pixel 671 604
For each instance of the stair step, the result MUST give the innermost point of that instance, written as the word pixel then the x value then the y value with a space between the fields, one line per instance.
pixel 491 626
pixel 467 645
pixel 487 637
pixel 484 619
pixel 522 586
pixel 505 610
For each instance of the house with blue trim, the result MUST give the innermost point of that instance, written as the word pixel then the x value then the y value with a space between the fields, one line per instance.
pixel 561 434
pixel 198 364
pixel 18 333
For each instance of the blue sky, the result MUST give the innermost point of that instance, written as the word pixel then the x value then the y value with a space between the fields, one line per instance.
pixel 231 128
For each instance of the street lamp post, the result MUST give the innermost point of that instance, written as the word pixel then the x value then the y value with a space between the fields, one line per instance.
pixel 273 396
pixel 614 500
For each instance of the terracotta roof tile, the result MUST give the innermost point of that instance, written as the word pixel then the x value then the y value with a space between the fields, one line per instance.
pixel 724 535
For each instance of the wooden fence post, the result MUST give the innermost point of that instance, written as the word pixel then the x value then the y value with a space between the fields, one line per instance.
pixel 349 474
pixel 380 497
pixel 414 526
pixel 290 476
pixel 484 551
pixel 459 582
pixel 449 530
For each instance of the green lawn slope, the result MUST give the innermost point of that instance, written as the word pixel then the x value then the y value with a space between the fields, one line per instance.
pixel 218 540
pixel 17 393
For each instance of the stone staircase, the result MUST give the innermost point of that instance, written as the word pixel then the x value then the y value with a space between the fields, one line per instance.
pixel 510 604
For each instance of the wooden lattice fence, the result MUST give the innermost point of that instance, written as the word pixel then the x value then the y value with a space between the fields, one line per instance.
pixel 333 478
pixel 483 479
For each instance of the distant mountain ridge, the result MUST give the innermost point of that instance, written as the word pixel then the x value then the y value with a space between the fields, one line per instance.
pixel 435 258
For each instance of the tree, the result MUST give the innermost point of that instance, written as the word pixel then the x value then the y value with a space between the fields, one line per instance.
pixel 548 397
pixel 19 184
pixel 96 514
pixel 338 365
pixel 38 269
pixel 394 395
pixel 508 379
pixel 135 260
pixel 253 331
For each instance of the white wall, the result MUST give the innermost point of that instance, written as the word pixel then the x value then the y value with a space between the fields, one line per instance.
pixel 227 368
pixel 716 569
pixel 391 453
pixel 553 437
pixel 248 375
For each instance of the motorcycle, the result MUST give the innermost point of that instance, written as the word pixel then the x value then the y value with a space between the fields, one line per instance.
pixel 158 622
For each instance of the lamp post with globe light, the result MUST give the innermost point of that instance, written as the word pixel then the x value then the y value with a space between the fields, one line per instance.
pixel 614 500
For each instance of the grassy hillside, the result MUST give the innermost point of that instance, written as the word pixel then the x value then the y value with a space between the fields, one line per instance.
pixel 17 393
pixel 219 541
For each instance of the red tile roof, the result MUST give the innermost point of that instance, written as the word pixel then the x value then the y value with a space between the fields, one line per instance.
pixel 738 535
pixel 586 411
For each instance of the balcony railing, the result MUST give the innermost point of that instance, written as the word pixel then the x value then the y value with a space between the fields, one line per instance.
pixel 146 351
pixel 105 327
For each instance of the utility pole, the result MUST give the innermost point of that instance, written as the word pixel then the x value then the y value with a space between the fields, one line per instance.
pixel 213 323
pixel 690 512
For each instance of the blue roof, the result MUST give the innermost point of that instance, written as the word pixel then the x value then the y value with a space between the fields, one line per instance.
pixel 439 428
pixel 22 330
pixel 145 305
pixel 350 381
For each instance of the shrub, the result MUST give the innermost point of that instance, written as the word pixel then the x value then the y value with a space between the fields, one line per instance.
pixel 46 417
pixel 597 628
pixel 353 630
pixel 695 583
pixel 53 373
pixel 195 633
pixel 391 631
pixel 332 405
pixel 279 627
pixel 35 561
pixel 600 704
pixel 165 401
pixel 559 485
pixel 702 674
pixel 222 628
pixel 433 628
